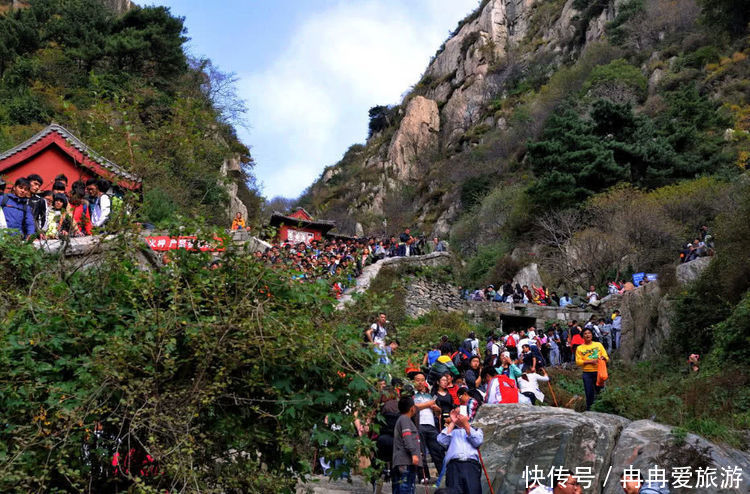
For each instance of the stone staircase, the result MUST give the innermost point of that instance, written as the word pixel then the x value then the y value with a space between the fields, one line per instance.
pixel 369 273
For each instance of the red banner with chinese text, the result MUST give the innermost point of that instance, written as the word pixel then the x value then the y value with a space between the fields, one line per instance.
pixel 165 243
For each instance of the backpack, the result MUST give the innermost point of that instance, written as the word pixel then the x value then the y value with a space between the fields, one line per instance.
pixel 508 389
pixel 510 342
pixel 540 361
pixel 436 371
pixel 459 357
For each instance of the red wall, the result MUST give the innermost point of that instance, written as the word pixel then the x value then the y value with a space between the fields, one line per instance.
pixel 49 163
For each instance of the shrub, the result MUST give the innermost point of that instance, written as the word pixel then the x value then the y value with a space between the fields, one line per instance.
pixel 157 206
pixel 732 336
pixel 480 265
pixel 615 80
pixel 189 365
pixel 424 332
pixel 702 56
pixel 505 268
pixel 473 189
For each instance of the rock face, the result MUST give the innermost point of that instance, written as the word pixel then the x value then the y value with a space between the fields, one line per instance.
pixel 528 275
pixel 477 65
pixel 647 313
pixel 232 170
pixel 658 446
pixel 520 436
pixel 517 436
pixel 690 271
pixel 415 138
pixel 645 322
pixel 119 6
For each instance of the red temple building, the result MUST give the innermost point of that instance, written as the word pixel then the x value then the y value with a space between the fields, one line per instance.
pixel 299 226
pixel 56 150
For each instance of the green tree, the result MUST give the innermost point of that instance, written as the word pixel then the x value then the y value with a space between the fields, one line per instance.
pixel 223 376
pixel 578 157
pixel 571 162
pixel 731 16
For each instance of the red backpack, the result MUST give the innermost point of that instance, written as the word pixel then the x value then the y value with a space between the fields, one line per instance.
pixel 508 389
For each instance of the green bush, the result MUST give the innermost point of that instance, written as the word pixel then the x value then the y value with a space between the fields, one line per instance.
pixel 157 206
pixel 234 367
pixel 423 333
pixel 473 189
pixel 702 56
pixel 616 76
pixel 619 28
pixel 732 335
pixel 479 266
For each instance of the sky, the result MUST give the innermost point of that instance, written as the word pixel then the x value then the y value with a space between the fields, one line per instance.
pixel 309 70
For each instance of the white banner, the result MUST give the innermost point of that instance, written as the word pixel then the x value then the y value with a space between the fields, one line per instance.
pixel 297 236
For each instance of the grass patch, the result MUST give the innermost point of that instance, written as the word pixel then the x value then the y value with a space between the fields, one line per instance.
pixel 712 404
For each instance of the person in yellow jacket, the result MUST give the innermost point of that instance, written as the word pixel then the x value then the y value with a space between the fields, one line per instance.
pixel 587 358
pixel 238 223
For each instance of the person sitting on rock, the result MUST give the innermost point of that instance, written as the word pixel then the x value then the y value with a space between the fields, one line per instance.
pixel 592 297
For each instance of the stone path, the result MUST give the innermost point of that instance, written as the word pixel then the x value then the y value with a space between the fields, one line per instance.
pixel 323 485
pixel 369 273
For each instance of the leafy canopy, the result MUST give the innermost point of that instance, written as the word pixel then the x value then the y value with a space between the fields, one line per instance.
pixel 212 372
pixel 577 157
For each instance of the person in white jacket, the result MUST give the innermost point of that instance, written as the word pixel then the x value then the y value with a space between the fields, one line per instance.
pixel 528 384
pixel 100 202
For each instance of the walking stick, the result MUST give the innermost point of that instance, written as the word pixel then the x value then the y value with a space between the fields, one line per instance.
pixel 553 393
pixel 489 484
pixel 441 475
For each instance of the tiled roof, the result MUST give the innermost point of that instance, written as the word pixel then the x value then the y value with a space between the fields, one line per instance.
pixel 291 220
pixel 75 142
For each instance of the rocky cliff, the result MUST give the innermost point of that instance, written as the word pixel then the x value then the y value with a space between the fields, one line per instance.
pixel 520 436
pixel 448 110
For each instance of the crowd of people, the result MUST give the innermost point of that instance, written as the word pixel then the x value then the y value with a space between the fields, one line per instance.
pixel 434 410
pixel 64 210
pixel 342 258
pixel 514 293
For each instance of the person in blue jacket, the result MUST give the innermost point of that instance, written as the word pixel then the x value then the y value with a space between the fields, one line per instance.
pixel 18 214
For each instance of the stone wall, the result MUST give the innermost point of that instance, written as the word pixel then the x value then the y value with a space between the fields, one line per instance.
pixel 369 273
pixel 425 296
pixel 484 311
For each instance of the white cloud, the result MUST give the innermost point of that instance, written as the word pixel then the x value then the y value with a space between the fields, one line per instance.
pixel 311 103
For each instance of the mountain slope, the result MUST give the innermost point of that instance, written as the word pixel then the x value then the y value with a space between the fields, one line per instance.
pixel 461 132
pixel 118 77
